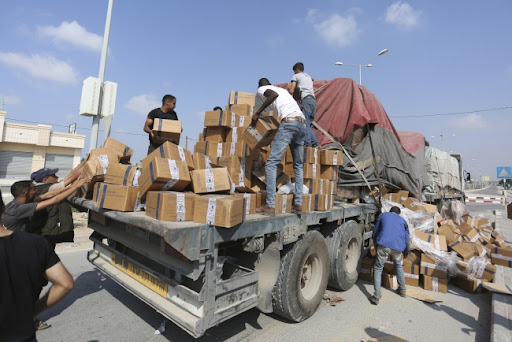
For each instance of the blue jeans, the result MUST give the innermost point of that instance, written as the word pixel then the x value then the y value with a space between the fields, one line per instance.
pixel 290 133
pixel 382 256
pixel 309 110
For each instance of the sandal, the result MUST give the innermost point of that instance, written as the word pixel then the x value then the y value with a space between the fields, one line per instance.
pixel 41 325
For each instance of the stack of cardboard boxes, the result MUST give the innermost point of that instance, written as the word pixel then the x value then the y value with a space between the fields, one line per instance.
pixel 220 183
pixel 460 247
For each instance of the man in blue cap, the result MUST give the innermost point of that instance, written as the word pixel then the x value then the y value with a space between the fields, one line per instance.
pixel 55 222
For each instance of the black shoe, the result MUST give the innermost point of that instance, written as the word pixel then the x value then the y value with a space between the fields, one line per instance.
pixel 374 300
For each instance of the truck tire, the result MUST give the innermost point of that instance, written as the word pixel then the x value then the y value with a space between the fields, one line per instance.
pixel 344 245
pixel 303 276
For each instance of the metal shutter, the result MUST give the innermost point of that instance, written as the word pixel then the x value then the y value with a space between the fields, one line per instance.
pixel 61 161
pixel 15 164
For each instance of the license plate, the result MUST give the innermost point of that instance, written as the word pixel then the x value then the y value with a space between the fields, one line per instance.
pixel 140 275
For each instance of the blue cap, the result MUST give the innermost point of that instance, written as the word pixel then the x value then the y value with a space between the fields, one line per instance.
pixel 39 175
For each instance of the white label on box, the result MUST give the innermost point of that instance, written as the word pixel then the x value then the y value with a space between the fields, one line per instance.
pixel 413 276
pixel 210 214
pixel 252 131
pixel 321 186
pixel 435 284
pixel 314 168
pixel 335 158
pixel 309 202
pixel 502 257
pixel 219 149
pixel 315 153
pixel 180 207
pixel 207 162
pixel 285 199
pixel 175 174
pixel 232 149
pixel 182 153
pixel 247 203
pixel 477 236
pixel 210 185
pixel 233 119
pixel 234 135
pixel 103 159
pixel 242 120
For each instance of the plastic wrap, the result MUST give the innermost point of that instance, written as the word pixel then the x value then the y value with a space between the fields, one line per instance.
pixel 289 188
pixel 454 211
pixel 419 220
pixel 476 266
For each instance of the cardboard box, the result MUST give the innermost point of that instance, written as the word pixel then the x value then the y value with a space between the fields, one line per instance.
pixel 429 208
pixel 202 161
pixel 220 211
pixel 464 249
pixel 281 177
pixel 123 151
pixel 170 205
pixel 389 281
pixel 208 181
pixel 311 155
pixel 328 172
pixel 166 130
pixel 106 155
pixel 237 149
pixel 470 234
pixel 209 148
pixel 214 134
pixel 96 171
pixel 366 272
pixel 242 109
pixel 498 259
pixel 234 134
pixel 163 174
pixel 169 150
pixel 331 157
pixel 318 186
pixel 435 284
pixel 468 283
pixel 262 133
pixel 414 258
pixel 501 250
pixel 347 192
pixel 409 202
pixel 448 233
pixel 115 197
pixel 311 171
pixel 412 279
pixel 261 199
pixel 250 203
pixel 120 174
pixel 323 202
pixel 238 97
pixel 284 203
pixel 432 268
pixel 239 170
pixel 437 242
pixel 223 118
pixel 307 203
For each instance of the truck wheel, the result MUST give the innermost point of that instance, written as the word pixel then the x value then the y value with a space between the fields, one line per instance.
pixel 344 244
pixel 302 278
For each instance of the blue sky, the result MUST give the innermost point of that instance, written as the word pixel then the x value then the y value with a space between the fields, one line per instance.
pixel 444 57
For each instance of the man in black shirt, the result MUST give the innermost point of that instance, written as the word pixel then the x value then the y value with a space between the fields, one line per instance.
pixel 165 112
pixel 27 261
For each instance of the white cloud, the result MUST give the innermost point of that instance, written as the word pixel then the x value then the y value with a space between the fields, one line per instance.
pixel 142 104
pixel 471 121
pixel 336 30
pixel 402 15
pixel 72 33
pixel 45 67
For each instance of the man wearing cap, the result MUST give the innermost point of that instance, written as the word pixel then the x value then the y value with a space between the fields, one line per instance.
pixel 291 132
pixel 165 112
pixel 55 222
pixel 304 83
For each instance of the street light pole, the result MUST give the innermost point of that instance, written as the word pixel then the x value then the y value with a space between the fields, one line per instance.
pixel 360 66
pixel 101 75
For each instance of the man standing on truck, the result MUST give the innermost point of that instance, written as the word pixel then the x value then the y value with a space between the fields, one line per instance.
pixel 165 112
pixel 291 132
pixel 391 237
pixel 27 262
pixel 307 96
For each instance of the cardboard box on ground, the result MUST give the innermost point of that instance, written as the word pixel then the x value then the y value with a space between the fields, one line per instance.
pixel 459 247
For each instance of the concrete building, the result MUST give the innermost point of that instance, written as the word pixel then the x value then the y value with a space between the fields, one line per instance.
pixel 27 148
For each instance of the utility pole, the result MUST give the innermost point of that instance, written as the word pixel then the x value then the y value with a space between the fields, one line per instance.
pixel 101 75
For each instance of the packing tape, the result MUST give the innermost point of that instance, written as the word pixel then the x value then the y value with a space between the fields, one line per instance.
pixel 219 149
pixel 233 120
pixel 242 121
pixel 175 174
pixel 127 172
pixel 221 114
pixel 315 154
pixel 321 186
pixel 314 169
pixel 309 202
pixel 252 131
pixel 412 276
pixel 180 207
pixel 157 212
pixel 103 194
pixel 234 134
pixel 210 214
pixel 160 123
pixel 126 151
pixel 335 158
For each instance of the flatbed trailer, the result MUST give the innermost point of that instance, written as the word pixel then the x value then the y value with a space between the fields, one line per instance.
pixel 198 275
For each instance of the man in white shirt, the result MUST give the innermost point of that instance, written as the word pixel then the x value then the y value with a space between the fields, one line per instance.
pixel 304 83
pixel 291 132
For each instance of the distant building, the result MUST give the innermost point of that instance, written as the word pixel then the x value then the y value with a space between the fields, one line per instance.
pixel 27 148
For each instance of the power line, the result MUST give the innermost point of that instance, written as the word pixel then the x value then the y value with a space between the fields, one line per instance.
pixel 453 113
